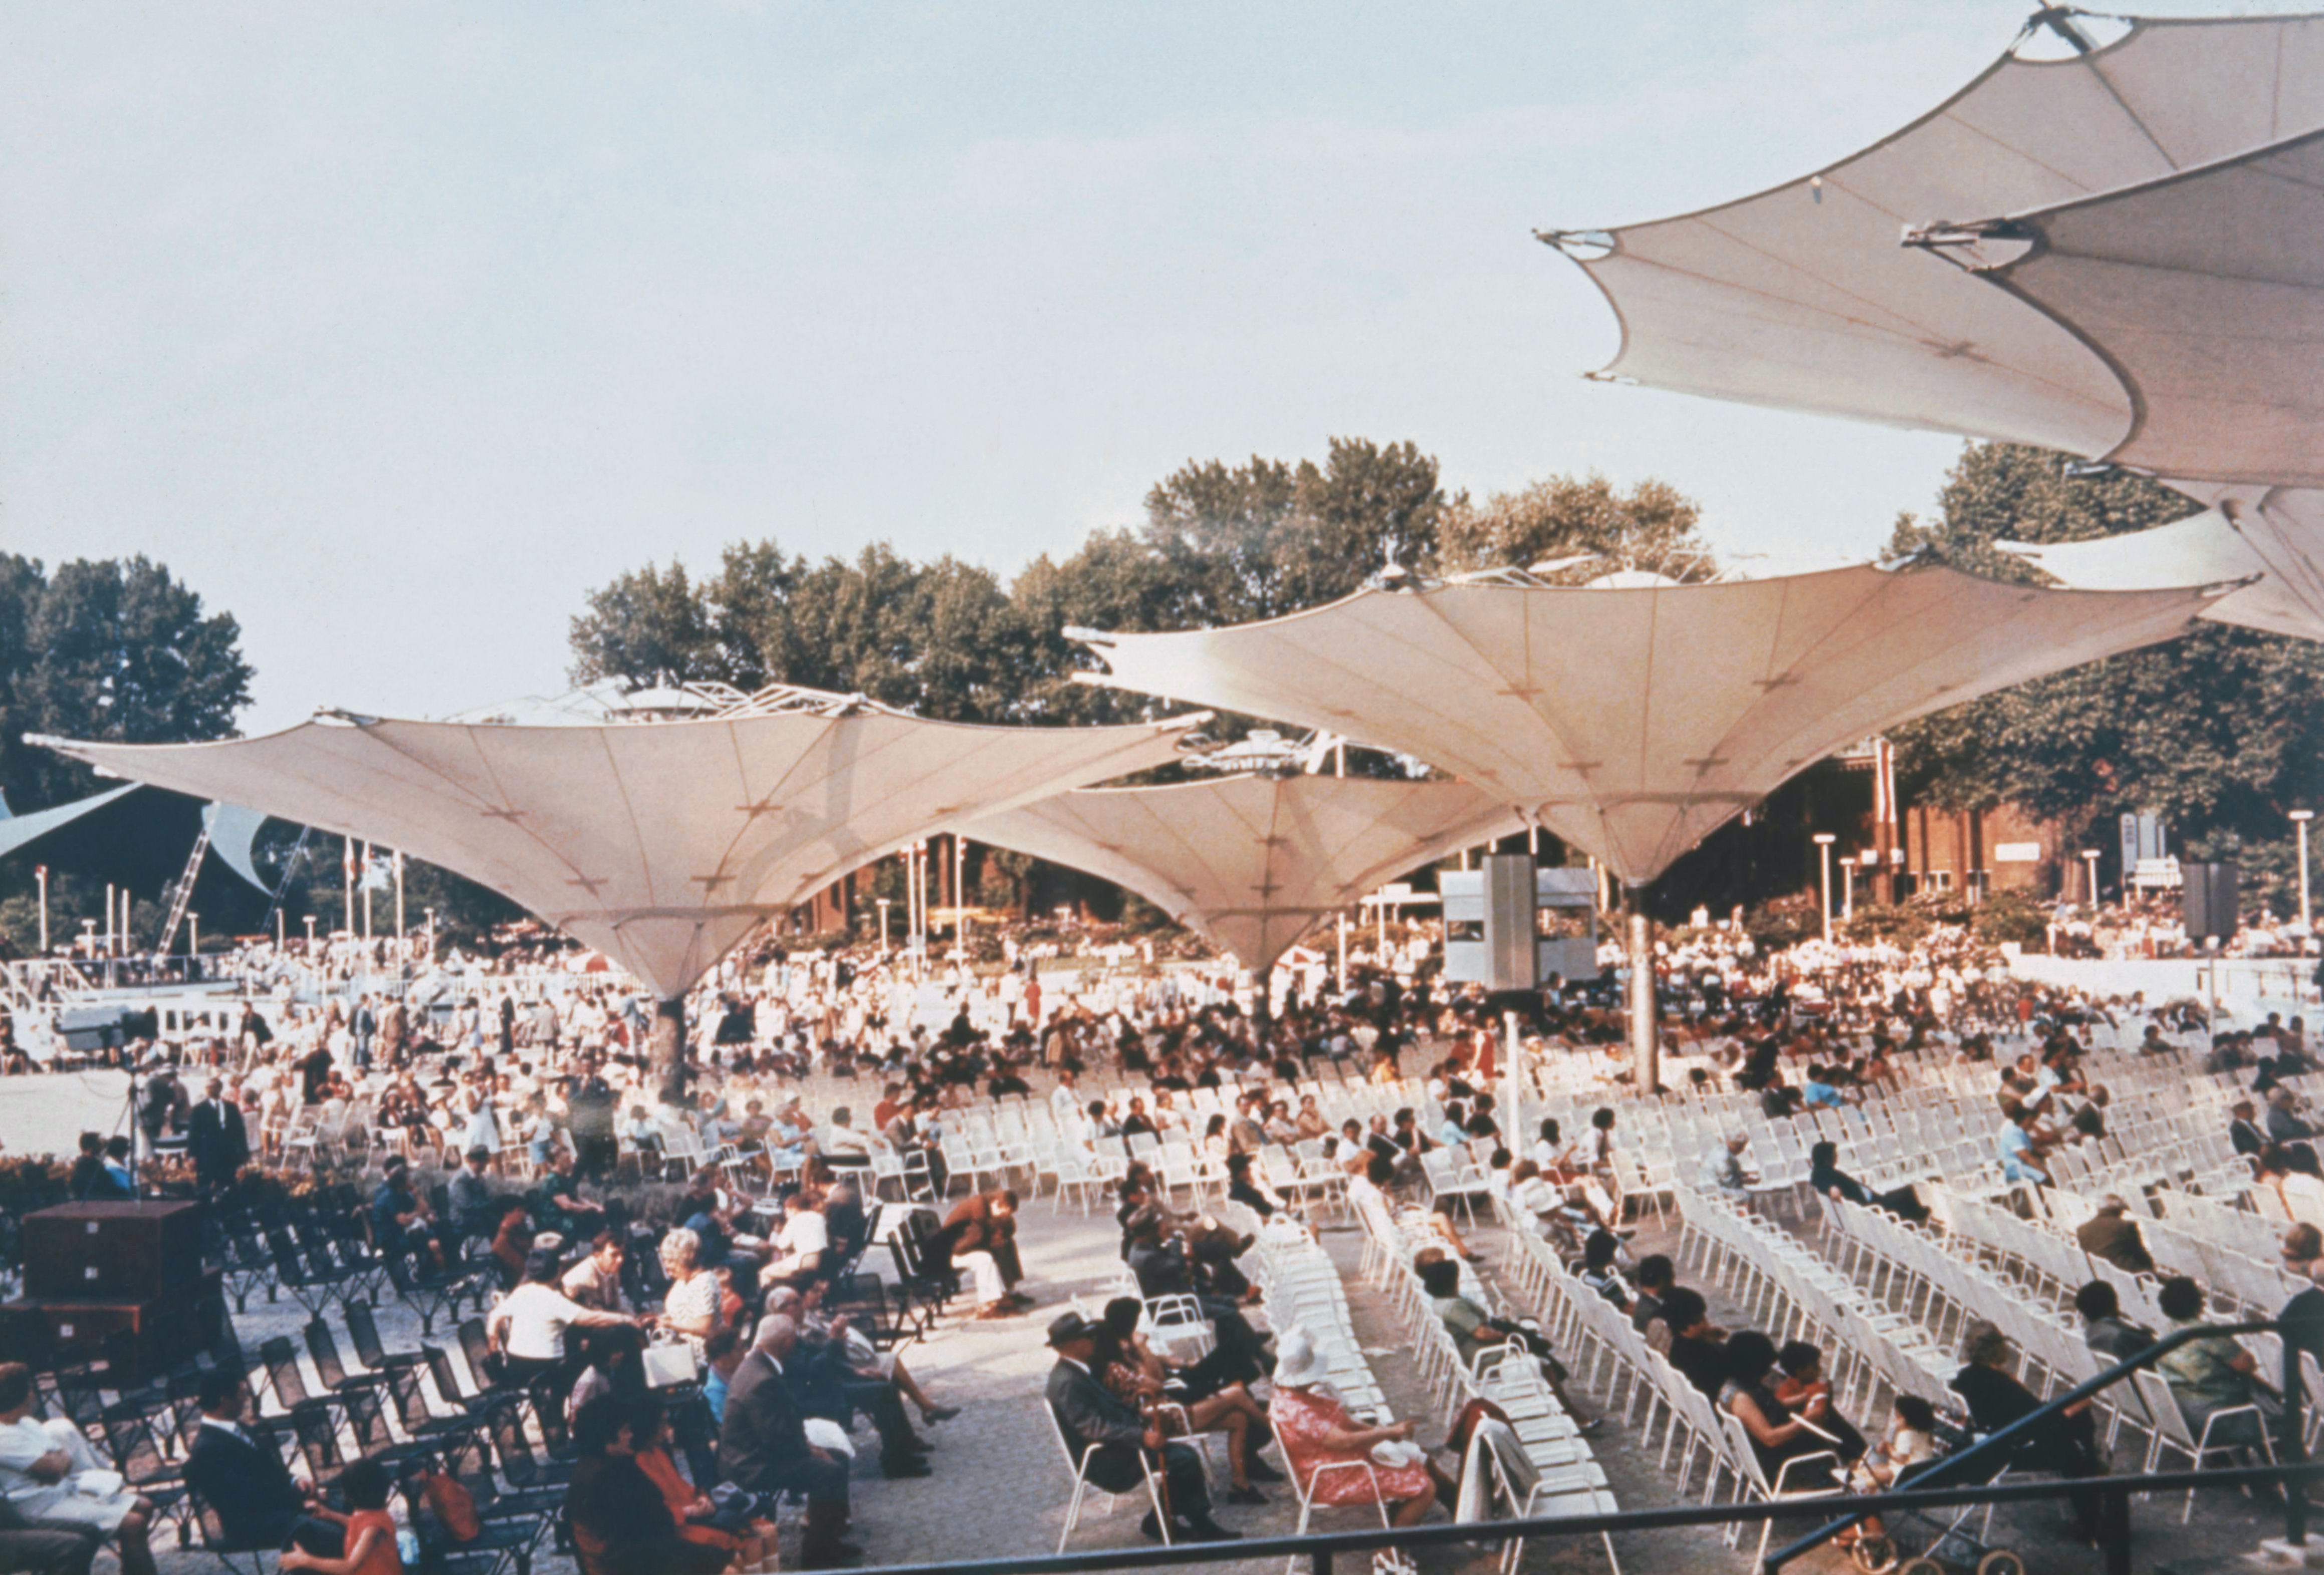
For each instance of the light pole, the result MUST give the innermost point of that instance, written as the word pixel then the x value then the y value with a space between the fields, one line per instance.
pixel 2300 818
pixel 884 905
pixel 432 932
pixel 193 934
pixel 2091 863
pixel 1846 886
pixel 41 873
pixel 1823 841
pixel 310 934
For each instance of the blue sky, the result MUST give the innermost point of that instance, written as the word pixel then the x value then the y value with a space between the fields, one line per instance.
pixel 395 329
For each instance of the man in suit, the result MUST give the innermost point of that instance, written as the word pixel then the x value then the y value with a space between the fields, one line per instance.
pixel 2244 1132
pixel 258 1503
pixel 1109 1437
pixel 762 1446
pixel 980 1234
pixel 217 1140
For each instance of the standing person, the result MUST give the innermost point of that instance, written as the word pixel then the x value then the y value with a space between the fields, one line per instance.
pixel 762 1446
pixel 589 1116
pixel 217 1140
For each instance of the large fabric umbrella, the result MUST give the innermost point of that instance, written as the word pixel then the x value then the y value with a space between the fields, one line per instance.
pixel 1251 862
pixel 660 843
pixel 1633 720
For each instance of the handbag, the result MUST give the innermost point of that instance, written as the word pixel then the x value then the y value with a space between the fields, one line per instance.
pixel 669 1365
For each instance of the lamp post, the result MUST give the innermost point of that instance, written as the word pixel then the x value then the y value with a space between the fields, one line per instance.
pixel 2091 863
pixel 1823 841
pixel 432 932
pixel 40 874
pixel 1846 886
pixel 2300 818
pixel 193 934
pixel 884 904
pixel 310 934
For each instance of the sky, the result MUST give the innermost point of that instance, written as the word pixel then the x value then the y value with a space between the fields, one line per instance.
pixel 397 329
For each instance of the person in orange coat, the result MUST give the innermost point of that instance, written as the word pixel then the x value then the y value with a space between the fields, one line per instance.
pixel 370 1548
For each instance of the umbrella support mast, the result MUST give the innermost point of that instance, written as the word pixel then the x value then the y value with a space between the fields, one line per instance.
pixel 1646 1052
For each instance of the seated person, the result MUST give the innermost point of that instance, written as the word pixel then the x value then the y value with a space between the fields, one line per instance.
pixel 1825 1176
pixel 2104 1328
pixel 621 1521
pixel 1329 1452
pixel 741 1536
pixel 1693 1344
pixel 1474 1328
pixel 1598 1271
pixel 1111 1438
pixel 2213 1377
pixel 1129 1367
pixel 1723 1174
pixel 1654 1279
pixel 803 1249
pixel 1795 1450
pixel 257 1501
pixel 367 1544
pixel 2112 1235
pixel 2063 1446
pixel 44 1467
pixel 1803 1388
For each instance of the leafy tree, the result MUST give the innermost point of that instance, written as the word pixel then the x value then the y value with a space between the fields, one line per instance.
pixel 1651 528
pixel 2219 732
pixel 650 626
pixel 115 650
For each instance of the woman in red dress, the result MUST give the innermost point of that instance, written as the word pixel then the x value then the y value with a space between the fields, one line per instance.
pixel 1315 1431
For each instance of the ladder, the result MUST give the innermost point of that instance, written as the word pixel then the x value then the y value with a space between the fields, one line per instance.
pixel 290 869
pixel 181 896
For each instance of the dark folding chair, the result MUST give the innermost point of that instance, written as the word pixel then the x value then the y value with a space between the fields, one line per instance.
pixel 863 1299
pixel 248 1262
pixel 522 1468
pixel 209 1534
pixel 313 1283
pixel 363 1330
pixel 695 1432
pixel 427 1291
pixel 323 1348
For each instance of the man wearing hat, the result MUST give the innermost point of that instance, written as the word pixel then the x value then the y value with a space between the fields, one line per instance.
pixel 1112 1441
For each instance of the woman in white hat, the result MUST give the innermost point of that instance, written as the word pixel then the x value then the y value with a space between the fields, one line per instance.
pixel 1314 1430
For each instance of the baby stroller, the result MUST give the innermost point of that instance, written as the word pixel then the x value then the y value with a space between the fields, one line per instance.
pixel 1932 1542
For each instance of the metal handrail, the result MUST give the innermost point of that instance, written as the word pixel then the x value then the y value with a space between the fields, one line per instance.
pixel 1322 1547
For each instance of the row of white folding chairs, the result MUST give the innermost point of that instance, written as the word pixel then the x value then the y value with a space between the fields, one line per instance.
pixel 1597 1329
pixel 1955 1291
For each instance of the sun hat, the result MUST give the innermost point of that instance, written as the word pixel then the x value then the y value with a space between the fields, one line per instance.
pixel 1298 1362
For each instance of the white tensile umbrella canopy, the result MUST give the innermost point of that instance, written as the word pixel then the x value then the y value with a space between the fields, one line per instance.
pixel 661 844
pixel 1632 722
pixel 2210 547
pixel 1251 862
pixel 2205 292
pixel 1803 297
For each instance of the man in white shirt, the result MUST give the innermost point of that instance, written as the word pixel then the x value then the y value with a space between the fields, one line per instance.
pixel 801 1246
pixel 529 1326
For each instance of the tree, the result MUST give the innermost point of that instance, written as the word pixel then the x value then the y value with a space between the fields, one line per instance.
pixel 115 650
pixel 650 626
pixel 1650 527
pixel 2219 732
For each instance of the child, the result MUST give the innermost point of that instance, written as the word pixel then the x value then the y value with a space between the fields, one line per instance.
pixel 370 1548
